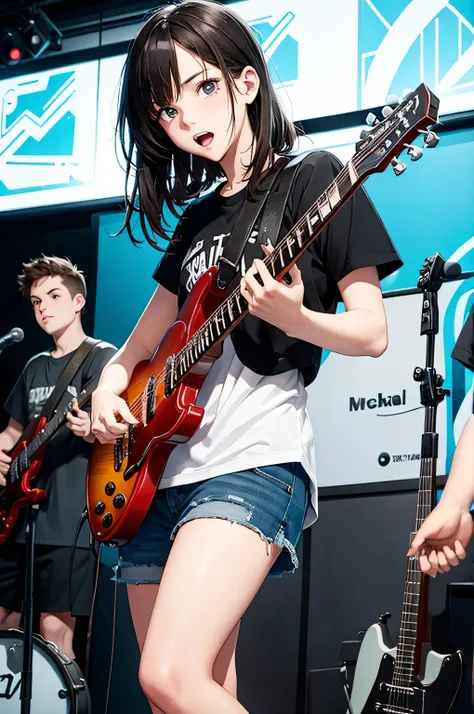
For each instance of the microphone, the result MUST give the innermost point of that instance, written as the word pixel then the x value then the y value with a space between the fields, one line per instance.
pixel 15 335
pixel 451 270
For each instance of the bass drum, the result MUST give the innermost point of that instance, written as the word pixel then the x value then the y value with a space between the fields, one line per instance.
pixel 59 686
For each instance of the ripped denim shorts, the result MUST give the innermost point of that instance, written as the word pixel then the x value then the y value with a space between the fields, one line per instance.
pixel 271 500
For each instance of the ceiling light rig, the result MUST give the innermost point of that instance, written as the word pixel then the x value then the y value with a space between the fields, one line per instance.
pixel 33 34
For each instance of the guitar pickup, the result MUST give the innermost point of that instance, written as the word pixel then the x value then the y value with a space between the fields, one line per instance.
pixel 150 399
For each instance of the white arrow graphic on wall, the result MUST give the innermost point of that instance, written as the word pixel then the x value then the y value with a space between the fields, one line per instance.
pixel 392 50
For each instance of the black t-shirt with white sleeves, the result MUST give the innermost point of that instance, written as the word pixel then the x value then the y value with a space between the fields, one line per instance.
pixel 355 238
pixel 63 472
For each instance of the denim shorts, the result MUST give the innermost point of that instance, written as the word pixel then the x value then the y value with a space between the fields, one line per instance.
pixel 271 500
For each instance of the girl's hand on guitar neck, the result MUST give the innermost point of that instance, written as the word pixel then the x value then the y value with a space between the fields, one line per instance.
pixel 277 303
pixel 106 405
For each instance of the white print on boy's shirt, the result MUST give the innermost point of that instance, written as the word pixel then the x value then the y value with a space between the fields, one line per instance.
pixel 197 261
pixel 38 396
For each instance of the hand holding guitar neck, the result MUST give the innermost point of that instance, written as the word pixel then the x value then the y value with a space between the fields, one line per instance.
pixel 78 421
pixel 5 462
pixel 442 539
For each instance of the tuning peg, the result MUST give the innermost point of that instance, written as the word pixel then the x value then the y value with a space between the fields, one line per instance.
pixel 364 133
pixel 371 119
pixel 386 111
pixel 406 92
pixel 393 99
pixel 414 152
pixel 430 139
pixel 398 166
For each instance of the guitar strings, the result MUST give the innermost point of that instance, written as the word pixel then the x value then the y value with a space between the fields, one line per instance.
pixel 400 697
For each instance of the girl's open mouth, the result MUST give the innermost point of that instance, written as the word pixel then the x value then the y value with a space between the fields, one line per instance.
pixel 204 138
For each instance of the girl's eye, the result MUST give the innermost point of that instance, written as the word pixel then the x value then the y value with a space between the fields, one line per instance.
pixel 167 114
pixel 209 87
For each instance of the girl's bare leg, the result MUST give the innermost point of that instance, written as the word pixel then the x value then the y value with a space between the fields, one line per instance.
pixel 212 575
pixel 142 599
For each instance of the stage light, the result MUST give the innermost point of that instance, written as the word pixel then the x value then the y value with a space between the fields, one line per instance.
pixel 38 32
pixel 11 47
pixel 32 34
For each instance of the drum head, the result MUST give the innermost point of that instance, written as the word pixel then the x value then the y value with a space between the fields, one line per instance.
pixel 58 685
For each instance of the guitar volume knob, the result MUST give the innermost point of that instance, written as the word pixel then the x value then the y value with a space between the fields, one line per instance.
pixel 110 488
pixel 107 520
pixel 119 500
pixel 99 508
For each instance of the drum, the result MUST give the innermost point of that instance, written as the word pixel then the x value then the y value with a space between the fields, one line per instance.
pixel 58 687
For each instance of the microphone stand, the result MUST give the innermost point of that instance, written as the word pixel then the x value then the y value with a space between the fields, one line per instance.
pixel 431 395
pixel 27 670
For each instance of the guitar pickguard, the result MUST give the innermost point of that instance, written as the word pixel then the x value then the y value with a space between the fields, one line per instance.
pixel 434 697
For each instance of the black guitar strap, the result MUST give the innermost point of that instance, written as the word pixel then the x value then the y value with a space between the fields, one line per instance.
pixel 68 373
pixel 272 204
pixel 232 253
pixel 276 203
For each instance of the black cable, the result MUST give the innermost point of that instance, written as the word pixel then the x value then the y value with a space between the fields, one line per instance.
pixel 82 520
pixel 304 623
pixel 112 653
pixel 91 617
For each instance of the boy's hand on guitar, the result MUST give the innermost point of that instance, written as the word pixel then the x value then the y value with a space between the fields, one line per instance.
pixel 442 539
pixel 80 422
pixel 105 407
pixel 5 462
pixel 277 303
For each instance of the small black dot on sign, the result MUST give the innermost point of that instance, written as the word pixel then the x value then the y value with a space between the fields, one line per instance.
pixel 384 459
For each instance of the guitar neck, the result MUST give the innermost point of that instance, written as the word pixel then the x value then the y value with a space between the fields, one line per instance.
pixel 51 427
pixel 413 626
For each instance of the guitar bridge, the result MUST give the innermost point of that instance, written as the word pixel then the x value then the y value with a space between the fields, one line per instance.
pixel 118 454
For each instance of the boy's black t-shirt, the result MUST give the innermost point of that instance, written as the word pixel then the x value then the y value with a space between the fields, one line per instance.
pixel 355 238
pixel 63 472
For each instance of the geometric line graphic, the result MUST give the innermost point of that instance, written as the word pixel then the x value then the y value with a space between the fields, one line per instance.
pixel 47 132
pixel 278 46
pixel 418 41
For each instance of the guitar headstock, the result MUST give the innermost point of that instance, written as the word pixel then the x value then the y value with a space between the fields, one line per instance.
pixel 382 145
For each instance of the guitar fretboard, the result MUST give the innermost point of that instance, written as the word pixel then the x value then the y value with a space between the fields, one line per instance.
pixel 405 661
pixel 24 458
